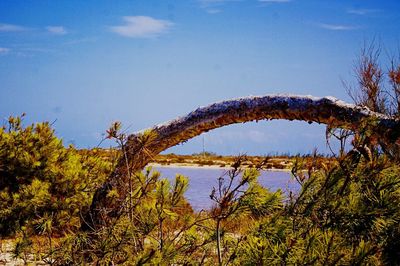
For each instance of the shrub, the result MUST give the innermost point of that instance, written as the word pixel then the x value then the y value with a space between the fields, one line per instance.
pixel 41 179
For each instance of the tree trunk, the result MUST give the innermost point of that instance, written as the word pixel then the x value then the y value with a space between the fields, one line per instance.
pixel 141 147
pixel 218 231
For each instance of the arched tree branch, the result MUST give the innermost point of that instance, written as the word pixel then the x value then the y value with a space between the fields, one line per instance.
pixel 142 146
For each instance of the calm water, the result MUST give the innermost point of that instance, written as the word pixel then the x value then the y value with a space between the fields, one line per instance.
pixel 202 180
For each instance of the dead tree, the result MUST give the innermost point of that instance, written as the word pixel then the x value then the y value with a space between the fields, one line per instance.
pixel 142 146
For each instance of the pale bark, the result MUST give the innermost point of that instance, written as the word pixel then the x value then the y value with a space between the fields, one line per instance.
pixel 144 145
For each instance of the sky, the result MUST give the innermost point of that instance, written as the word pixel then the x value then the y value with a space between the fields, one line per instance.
pixel 83 64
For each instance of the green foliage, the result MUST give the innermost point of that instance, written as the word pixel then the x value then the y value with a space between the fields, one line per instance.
pixel 205 154
pixel 347 212
pixel 41 178
pixel 160 228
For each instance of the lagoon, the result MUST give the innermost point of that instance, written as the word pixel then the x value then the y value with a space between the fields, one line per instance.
pixel 203 179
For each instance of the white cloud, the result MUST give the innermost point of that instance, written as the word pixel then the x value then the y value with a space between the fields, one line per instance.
pixel 213 11
pixel 214 6
pixel 336 27
pixel 362 11
pixel 142 27
pixel 4 50
pixel 275 1
pixel 11 28
pixel 58 30
pixel 205 3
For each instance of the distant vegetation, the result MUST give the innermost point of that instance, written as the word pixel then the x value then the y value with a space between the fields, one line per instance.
pixel 276 162
pixel 347 212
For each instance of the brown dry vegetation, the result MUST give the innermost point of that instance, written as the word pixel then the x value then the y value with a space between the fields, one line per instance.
pixel 263 162
pixel 270 162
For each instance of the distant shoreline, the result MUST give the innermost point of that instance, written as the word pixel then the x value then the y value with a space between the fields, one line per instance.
pixel 195 166
pixel 278 163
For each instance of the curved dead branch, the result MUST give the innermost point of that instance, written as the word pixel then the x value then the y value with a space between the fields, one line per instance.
pixel 144 145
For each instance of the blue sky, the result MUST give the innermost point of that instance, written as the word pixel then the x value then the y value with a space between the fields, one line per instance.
pixel 85 64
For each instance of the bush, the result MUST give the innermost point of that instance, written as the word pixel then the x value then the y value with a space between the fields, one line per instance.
pixel 345 214
pixel 41 181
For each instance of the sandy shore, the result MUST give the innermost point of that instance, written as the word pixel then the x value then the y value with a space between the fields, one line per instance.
pixel 7 257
